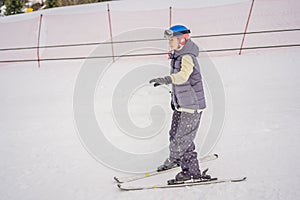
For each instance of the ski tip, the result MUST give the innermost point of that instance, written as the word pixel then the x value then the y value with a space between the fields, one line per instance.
pixel 239 179
pixel 128 188
pixel 116 179
pixel 120 187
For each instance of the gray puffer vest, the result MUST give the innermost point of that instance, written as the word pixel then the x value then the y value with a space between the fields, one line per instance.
pixel 189 94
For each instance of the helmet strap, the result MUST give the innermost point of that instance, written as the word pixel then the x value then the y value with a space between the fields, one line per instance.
pixel 181 43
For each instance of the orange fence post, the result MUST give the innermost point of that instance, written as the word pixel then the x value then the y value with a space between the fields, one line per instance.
pixel 110 29
pixel 38 44
pixel 248 20
pixel 170 16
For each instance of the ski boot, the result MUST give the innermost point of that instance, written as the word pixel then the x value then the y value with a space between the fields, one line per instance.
pixel 168 164
pixel 185 176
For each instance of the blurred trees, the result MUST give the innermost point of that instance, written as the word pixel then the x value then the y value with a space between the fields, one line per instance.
pixel 14 7
pixel 53 3
pixel 18 6
pixel 58 3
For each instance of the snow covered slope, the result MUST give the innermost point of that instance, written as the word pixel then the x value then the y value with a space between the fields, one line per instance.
pixel 45 155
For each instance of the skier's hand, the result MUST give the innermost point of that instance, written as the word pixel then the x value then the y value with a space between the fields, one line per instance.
pixel 172 105
pixel 161 81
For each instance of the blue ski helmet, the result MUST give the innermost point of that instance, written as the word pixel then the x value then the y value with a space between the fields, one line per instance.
pixel 176 30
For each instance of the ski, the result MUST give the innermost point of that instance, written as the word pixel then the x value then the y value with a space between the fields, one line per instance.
pixel 128 187
pixel 154 173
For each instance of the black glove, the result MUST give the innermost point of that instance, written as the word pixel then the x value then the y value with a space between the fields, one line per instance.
pixel 172 105
pixel 161 81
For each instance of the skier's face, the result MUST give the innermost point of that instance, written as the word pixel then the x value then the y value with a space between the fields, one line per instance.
pixel 173 43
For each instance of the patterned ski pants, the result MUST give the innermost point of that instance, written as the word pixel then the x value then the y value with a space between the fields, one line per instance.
pixel 182 134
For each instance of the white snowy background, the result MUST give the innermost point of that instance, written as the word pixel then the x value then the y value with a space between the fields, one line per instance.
pixel 41 154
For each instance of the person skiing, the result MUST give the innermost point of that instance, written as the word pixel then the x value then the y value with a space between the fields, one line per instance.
pixel 188 102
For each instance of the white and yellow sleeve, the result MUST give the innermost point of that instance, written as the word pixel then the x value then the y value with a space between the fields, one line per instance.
pixel 186 70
